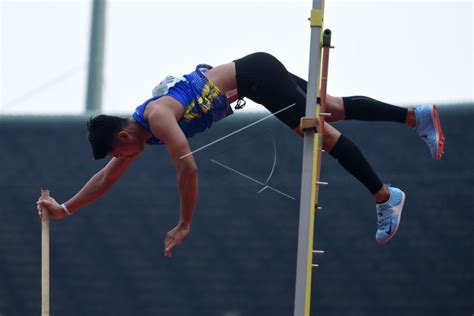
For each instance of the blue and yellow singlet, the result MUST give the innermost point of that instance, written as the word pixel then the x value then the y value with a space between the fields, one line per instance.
pixel 202 101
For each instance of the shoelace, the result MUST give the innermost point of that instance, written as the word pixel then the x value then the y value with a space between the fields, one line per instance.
pixel 240 104
pixel 384 217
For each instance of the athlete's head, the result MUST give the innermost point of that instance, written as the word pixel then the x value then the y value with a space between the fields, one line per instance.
pixel 114 136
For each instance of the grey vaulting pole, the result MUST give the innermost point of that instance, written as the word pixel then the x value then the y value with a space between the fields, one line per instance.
pixel 96 57
pixel 308 198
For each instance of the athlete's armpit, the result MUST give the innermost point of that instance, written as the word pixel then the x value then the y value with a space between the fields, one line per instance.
pixel 164 126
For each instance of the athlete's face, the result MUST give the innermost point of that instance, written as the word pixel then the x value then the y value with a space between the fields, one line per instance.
pixel 127 150
pixel 128 145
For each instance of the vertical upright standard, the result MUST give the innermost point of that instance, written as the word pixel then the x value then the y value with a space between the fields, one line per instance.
pixel 44 257
pixel 312 146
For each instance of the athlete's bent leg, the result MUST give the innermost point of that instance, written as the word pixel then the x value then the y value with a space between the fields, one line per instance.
pixel 424 119
pixel 353 160
pixel 361 108
pixel 389 200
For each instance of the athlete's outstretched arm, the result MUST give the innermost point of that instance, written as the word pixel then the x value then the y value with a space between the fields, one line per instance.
pixel 100 183
pixel 164 126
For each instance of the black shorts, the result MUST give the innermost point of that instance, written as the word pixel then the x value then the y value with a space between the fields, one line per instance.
pixel 263 79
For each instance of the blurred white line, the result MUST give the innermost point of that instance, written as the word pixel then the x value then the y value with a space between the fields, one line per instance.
pixel 252 179
pixel 237 131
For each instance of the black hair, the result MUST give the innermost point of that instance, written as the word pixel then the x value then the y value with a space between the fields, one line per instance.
pixel 101 132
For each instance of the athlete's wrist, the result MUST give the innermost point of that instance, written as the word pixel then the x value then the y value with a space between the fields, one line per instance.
pixel 184 224
pixel 66 209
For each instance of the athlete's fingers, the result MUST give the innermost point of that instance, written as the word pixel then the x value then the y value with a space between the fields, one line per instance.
pixel 40 210
pixel 168 246
pixel 171 244
pixel 167 240
pixel 45 203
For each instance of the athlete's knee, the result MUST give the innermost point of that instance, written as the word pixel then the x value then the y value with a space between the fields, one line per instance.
pixel 298 131
pixel 335 106
pixel 330 137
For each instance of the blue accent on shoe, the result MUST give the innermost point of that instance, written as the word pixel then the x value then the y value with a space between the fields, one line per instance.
pixel 388 215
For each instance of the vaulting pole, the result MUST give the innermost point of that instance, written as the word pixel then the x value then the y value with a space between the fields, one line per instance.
pixel 45 257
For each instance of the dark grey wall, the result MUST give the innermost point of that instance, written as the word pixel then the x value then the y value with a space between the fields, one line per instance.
pixel 240 256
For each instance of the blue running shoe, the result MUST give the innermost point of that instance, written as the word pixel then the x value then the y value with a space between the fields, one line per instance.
pixel 389 215
pixel 428 126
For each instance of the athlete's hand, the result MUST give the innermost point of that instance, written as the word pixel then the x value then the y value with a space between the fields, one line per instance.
pixel 54 209
pixel 175 236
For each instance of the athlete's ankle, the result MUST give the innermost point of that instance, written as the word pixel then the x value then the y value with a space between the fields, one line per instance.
pixel 382 195
pixel 411 118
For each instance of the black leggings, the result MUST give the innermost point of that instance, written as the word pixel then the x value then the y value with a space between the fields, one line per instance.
pixel 263 79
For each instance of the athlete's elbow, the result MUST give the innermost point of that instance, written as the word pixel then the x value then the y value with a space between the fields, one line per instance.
pixel 189 169
pixel 192 170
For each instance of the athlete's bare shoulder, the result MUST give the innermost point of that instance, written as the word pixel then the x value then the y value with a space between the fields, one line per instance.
pixel 165 104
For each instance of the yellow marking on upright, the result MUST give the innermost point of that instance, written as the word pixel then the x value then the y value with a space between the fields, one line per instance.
pixel 317 17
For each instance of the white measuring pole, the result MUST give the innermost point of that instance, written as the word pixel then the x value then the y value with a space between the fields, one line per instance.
pixel 308 197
